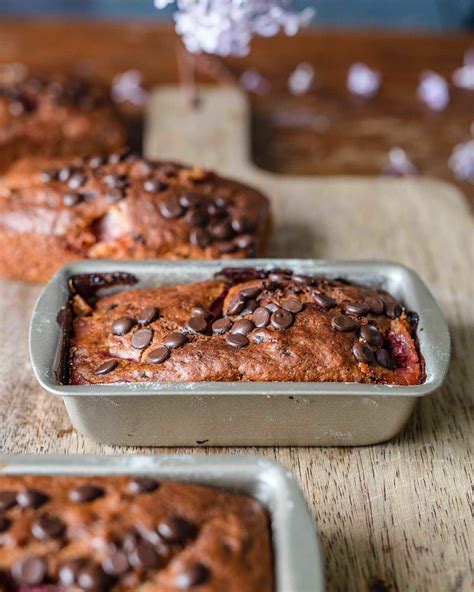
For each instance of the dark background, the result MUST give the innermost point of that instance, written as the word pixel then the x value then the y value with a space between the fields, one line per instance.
pixel 429 15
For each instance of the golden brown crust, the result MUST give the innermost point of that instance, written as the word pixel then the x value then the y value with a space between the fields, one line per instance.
pixel 56 116
pixel 227 533
pixel 122 207
pixel 308 348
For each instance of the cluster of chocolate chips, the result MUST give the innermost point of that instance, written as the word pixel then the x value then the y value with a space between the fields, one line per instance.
pixel 211 221
pixel 368 347
pixel 252 309
pixel 26 95
pixel 77 175
pixel 144 551
pixel 211 218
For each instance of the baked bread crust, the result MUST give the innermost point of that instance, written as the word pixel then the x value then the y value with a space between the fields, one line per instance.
pixel 273 326
pixel 119 534
pixel 122 207
pixel 56 115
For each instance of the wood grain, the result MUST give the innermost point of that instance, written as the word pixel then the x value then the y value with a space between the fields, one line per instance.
pixel 395 516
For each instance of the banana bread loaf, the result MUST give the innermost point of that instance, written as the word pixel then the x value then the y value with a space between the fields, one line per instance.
pixel 245 325
pixel 56 115
pixel 118 534
pixel 122 207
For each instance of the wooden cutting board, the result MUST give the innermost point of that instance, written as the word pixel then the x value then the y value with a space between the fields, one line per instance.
pixel 391 517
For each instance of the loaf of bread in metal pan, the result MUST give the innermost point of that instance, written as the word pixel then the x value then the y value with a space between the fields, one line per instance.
pixel 119 534
pixel 246 325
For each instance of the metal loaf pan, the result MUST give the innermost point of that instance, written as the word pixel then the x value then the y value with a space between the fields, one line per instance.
pixel 242 413
pixel 298 559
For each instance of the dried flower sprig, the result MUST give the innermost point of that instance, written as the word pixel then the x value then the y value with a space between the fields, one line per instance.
pixel 226 27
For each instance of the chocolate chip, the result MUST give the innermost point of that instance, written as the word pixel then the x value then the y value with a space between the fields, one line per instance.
pixel 277 277
pixel 245 241
pixel 243 326
pixel 251 292
pixel 174 340
pixel 72 198
pixel 249 307
pixel 123 325
pixel 142 339
pixel 200 311
pixel 106 367
pixel 375 304
pixel 236 305
pixel 222 230
pixel 96 161
pixel 324 301
pixel 196 217
pixel 357 308
pixel 363 352
pixel 143 485
pixel 272 307
pixel 30 571
pixel 221 201
pixel 64 174
pixel 305 280
pixel 192 575
pixel 196 325
pixel 154 185
pixel 158 355
pixel 69 571
pixel 292 305
pixel 85 493
pixel 242 225
pixel 48 527
pixel 393 309
pixel 116 181
pixel 176 529
pixel 116 564
pixel 92 577
pixel 221 326
pixel 199 237
pixel 214 210
pixel 384 359
pixel 343 324
pixel 191 199
pixel 237 340
pixel 49 175
pixel 372 335
pixel 117 157
pixel 226 247
pixel 171 208
pixel 282 319
pixel 76 180
pixel 4 523
pixel 261 317
pixel 7 499
pixel 146 556
pixel 31 498
pixel 148 315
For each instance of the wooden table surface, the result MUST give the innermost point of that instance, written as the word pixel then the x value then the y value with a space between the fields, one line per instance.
pixel 391 517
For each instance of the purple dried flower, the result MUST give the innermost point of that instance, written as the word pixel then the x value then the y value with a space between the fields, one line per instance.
pixel 301 79
pixel 433 90
pixel 464 77
pixel 127 87
pixel 254 82
pixel 226 27
pixel 461 161
pixel 399 165
pixel 362 80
